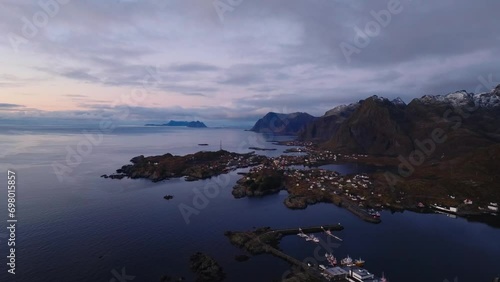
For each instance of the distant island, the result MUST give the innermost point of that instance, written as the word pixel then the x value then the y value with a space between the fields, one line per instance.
pixel 197 124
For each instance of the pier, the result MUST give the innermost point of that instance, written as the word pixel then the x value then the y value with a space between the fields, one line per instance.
pixel 265 237
pixel 361 213
pixel 315 229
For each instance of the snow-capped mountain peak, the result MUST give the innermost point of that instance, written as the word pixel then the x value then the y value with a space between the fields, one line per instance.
pixel 462 98
pixel 398 101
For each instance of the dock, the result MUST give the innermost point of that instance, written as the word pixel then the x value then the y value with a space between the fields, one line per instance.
pixel 315 229
pixel 279 233
pixel 361 213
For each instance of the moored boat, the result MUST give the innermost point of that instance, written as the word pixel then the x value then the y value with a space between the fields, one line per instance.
pixel 314 239
pixel 374 213
pixel 359 262
pixel 331 259
pixel 329 233
pixel 301 233
pixel 346 261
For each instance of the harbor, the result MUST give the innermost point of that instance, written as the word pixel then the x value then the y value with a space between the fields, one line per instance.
pixel 266 240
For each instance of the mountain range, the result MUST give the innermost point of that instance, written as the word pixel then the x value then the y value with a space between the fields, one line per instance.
pixel 379 126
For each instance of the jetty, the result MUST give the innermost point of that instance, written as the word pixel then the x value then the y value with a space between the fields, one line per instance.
pixel 266 240
pixel 306 230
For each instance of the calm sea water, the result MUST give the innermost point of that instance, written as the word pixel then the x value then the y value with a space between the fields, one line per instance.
pixel 83 227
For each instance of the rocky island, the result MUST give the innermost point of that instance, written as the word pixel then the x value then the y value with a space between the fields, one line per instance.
pixel 196 124
pixel 206 268
pixel 200 165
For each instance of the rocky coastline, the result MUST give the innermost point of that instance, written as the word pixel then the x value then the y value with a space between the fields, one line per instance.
pixel 445 183
pixel 200 165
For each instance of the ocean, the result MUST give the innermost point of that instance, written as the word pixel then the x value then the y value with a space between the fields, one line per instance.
pixel 74 225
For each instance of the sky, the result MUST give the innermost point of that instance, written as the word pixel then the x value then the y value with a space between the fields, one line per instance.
pixel 232 61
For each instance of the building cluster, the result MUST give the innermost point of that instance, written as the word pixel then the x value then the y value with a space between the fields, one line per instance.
pixel 353 187
pixel 352 274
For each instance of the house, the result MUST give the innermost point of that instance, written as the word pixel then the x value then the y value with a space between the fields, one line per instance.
pixel 360 274
pixel 336 273
pixel 493 207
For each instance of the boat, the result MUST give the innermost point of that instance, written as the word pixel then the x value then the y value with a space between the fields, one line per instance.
pixel 301 233
pixel 310 238
pixel 373 213
pixel 329 233
pixel 359 262
pixel 331 259
pixel 346 261
pixel 314 239
pixel 203 144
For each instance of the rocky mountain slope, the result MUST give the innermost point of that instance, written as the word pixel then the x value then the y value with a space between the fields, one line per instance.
pixel 282 124
pixel 325 127
pixel 381 127
pixel 460 121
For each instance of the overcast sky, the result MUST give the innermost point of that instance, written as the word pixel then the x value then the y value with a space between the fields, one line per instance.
pixel 228 61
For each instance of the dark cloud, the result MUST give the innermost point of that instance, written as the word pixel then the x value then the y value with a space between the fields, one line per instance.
pixel 242 79
pixel 80 74
pixel 282 55
pixel 76 96
pixel 7 105
pixel 193 67
pixel 195 94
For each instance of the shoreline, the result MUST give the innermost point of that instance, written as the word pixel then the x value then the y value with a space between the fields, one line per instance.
pixel 358 193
